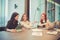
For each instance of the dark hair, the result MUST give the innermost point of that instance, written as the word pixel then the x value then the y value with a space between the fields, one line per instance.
pixel 12 23
pixel 45 17
pixel 14 15
pixel 23 16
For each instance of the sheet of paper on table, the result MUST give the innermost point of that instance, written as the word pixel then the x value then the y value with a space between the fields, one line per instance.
pixel 37 33
pixel 52 32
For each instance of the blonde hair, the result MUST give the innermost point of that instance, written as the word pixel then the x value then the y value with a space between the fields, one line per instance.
pixel 23 16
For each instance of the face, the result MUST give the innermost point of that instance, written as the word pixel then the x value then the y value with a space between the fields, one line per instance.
pixel 16 18
pixel 43 17
pixel 25 17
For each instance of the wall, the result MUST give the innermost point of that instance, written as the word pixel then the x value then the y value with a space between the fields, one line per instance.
pixel 8 7
pixel 36 9
pixel 20 7
pixel 57 11
pixel 50 12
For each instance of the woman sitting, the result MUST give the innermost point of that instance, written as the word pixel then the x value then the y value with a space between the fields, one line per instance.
pixel 25 22
pixel 44 22
pixel 13 22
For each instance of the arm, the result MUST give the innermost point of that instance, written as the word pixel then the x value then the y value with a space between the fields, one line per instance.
pixel 49 24
pixel 27 24
pixel 41 24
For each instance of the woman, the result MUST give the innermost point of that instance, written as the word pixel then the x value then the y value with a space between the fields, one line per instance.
pixel 25 22
pixel 44 22
pixel 13 22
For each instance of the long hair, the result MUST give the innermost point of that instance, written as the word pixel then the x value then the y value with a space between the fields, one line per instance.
pixel 23 16
pixel 44 16
pixel 13 17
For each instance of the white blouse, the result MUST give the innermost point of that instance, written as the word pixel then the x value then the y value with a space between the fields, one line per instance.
pixel 26 24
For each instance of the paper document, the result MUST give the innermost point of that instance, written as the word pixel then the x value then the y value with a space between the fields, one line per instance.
pixel 52 32
pixel 37 33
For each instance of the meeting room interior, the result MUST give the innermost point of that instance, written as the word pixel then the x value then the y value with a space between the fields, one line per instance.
pixel 29 19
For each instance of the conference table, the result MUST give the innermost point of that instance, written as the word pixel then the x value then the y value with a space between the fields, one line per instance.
pixel 28 35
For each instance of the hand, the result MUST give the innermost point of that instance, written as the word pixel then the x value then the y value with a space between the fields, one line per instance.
pixel 13 30
pixel 23 29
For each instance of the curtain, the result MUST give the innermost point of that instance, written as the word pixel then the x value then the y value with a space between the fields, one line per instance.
pixel 2 13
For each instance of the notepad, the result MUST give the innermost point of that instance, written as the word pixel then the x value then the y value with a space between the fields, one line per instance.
pixel 52 32
pixel 37 33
